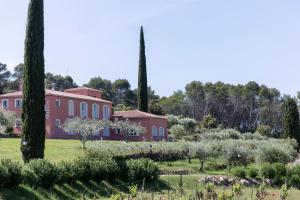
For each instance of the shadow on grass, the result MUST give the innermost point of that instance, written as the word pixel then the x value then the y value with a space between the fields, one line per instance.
pixel 79 190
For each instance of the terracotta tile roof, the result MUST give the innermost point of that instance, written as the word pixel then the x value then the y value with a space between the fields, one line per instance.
pixel 136 114
pixel 83 88
pixel 58 93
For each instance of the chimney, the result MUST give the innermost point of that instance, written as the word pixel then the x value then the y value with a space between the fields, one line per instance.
pixel 20 85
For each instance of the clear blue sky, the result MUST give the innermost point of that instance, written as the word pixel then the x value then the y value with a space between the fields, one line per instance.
pixel 232 41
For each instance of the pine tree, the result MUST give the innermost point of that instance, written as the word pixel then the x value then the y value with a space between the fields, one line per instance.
pixel 33 113
pixel 291 119
pixel 142 93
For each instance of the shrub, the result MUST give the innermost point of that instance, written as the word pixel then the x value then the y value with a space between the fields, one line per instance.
pixel 209 122
pixel 189 124
pixel 280 169
pixel 9 130
pixel 239 172
pixel 69 172
pixel 10 173
pixel 273 153
pixel 237 156
pixel 142 169
pixel 264 130
pixel 268 171
pixel 89 168
pixel 40 173
pixel 177 131
pixel 172 120
pixel 253 172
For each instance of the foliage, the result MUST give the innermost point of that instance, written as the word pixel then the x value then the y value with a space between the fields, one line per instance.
pixel 40 173
pixel 189 124
pixel 291 119
pixel 172 120
pixel 272 153
pixel 141 169
pixel 177 131
pixel 264 130
pixel 33 110
pixel 10 173
pixel 238 155
pixel 7 119
pixel 203 152
pixel 209 122
pixel 142 92
pixel 156 108
pixel 240 172
pixel 284 192
pixel 253 172
pixel 128 128
pixel 268 171
pixel 84 127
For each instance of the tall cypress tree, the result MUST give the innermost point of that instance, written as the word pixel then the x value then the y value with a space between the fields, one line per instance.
pixel 142 93
pixel 291 119
pixel 33 113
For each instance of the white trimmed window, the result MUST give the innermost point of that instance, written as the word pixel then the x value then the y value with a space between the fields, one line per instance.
pixel 106 131
pixel 18 123
pixel 161 131
pixel 71 108
pixel 154 131
pixel 106 112
pixel 18 103
pixel 83 110
pixel 57 103
pixel 57 123
pixel 4 103
pixel 95 111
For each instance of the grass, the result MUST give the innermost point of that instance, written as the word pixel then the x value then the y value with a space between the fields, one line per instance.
pixel 56 150
pixel 165 187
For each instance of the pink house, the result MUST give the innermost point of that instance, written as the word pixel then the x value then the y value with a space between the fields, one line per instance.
pixel 86 103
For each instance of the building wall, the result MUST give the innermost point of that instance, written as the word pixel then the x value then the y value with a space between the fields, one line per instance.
pixel 148 123
pixel 62 113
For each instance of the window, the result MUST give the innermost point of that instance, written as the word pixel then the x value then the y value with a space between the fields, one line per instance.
pixel 57 103
pixel 71 108
pixel 57 123
pixel 132 132
pixel 83 110
pixel 105 112
pixel 95 111
pixel 18 103
pixel 106 131
pixel 4 103
pixel 154 131
pixel 18 123
pixel 161 131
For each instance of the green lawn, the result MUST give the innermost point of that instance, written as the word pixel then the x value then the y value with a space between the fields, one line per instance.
pixel 56 150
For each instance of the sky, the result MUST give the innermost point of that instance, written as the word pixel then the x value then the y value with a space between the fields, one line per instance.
pixel 232 41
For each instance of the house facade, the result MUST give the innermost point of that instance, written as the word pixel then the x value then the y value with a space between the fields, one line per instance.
pixel 76 102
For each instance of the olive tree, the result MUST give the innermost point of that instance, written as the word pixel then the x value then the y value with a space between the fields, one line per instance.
pixel 85 128
pixel 127 128
pixel 7 119
pixel 203 152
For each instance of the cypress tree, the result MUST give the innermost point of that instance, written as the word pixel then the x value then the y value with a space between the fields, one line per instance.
pixel 142 93
pixel 291 119
pixel 33 111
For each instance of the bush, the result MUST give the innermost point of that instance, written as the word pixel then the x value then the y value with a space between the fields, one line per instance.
pixel 239 172
pixel 40 173
pixel 237 156
pixel 189 124
pixel 209 122
pixel 253 172
pixel 178 131
pixel 268 171
pixel 69 172
pixel 10 173
pixel 264 130
pixel 142 169
pixel 89 168
pixel 172 120
pixel 280 169
pixel 273 153
pixel 9 130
